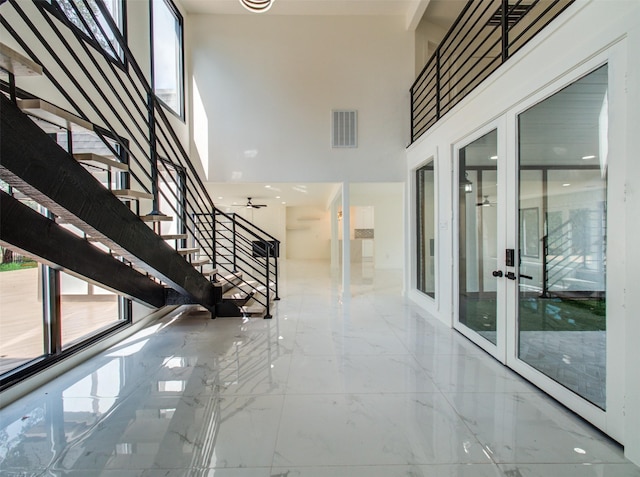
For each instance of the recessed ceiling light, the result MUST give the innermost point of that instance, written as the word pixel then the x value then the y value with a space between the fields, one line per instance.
pixel 283 203
pixel 586 158
pixel 267 187
pixel 494 158
pixel 566 184
pixel 220 198
pixel 277 197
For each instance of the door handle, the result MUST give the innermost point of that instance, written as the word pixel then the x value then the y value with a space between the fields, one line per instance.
pixel 511 276
pixel 528 277
pixel 497 273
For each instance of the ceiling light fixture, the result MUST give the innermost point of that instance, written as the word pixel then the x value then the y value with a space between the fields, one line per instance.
pixel 586 158
pixel 494 158
pixel 257 6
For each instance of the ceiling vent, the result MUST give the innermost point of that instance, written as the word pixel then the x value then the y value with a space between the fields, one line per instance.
pixel 344 128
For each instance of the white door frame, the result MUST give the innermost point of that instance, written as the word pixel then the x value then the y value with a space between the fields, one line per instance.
pixel 499 350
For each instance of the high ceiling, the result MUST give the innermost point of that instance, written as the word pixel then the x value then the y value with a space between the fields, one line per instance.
pixel 440 12
pixel 234 194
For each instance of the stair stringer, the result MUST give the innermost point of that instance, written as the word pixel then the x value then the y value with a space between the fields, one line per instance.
pixel 34 164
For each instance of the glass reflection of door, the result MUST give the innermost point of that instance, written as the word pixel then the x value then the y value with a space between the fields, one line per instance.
pixel 562 237
pixel 479 242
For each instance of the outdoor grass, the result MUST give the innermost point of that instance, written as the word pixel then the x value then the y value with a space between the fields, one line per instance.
pixel 541 314
pixel 9 267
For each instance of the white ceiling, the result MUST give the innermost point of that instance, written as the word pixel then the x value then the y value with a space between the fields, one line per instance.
pixel 304 7
pixel 293 194
pixel 440 12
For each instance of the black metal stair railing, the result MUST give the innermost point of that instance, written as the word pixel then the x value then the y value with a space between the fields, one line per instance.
pixel 484 36
pixel 243 246
pixel 570 247
pixel 109 90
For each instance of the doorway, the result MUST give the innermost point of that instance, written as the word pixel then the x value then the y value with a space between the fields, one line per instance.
pixel 532 241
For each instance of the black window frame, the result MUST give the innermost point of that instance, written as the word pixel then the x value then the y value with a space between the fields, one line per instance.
pixel 53 7
pixel 181 89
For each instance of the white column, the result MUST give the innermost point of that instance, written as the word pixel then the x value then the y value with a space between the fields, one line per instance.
pixel 346 241
pixel 335 239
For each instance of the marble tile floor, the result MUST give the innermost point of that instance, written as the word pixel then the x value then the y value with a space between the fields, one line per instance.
pixel 365 385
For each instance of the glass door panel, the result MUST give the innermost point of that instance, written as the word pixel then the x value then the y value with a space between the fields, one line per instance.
pixel 426 227
pixel 562 237
pixel 478 236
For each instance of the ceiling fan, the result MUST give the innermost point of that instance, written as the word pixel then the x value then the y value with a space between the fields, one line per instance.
pixel 485 202
pixel 251 205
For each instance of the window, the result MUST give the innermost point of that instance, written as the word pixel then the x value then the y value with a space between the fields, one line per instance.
pixel 426 228
pixel 88 18
pixel 167 59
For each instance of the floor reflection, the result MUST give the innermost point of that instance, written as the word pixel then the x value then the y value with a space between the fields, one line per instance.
pixel 368 385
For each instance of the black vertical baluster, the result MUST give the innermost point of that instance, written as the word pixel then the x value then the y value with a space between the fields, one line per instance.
pixel 438 83
pixel 505 30
pixel 155 208
pixel 234 244
pixel 12 88
pixel 267 249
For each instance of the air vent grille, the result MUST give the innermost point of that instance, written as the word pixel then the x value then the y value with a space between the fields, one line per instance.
pixel 344 128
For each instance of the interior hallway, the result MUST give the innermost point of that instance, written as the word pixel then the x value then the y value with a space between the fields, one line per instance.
pixel 366 386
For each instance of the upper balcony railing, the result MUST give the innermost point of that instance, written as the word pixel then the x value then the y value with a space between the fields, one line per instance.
pixel 485 35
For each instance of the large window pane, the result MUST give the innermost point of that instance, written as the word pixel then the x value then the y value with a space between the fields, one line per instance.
pixel 88 18
pixel 85 308
pixel 426 240
pixel 21 328
pixel 167 54
pixel 563 197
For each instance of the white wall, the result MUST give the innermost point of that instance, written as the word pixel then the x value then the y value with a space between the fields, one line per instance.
pixel 387 201
pixel 308 233
pixel 427 37
pixel 267 85
pixel 614 36
pixel 271 219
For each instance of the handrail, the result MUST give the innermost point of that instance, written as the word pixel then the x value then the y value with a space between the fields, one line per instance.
pixel 465 57
pixel 114 95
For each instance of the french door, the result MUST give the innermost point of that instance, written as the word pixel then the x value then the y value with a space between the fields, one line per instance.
pixel 531 196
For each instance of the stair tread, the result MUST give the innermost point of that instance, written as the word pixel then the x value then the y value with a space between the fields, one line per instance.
pixel 208 273
pixel 187 250
pixel 228 282
pixel 253 309
pixel 131 194
pixel 90 157
pixel 53 114
pixel 173 236
pixel 200 261
pixel 18 64
pixel 156 218
pixel 236 295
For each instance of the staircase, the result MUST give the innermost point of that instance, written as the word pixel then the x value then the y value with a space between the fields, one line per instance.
pixel 125 207
pixel 574 256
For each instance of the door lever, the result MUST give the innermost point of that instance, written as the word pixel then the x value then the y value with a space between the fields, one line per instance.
pixel 497 273
pixel 528 277
pixel 511 276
